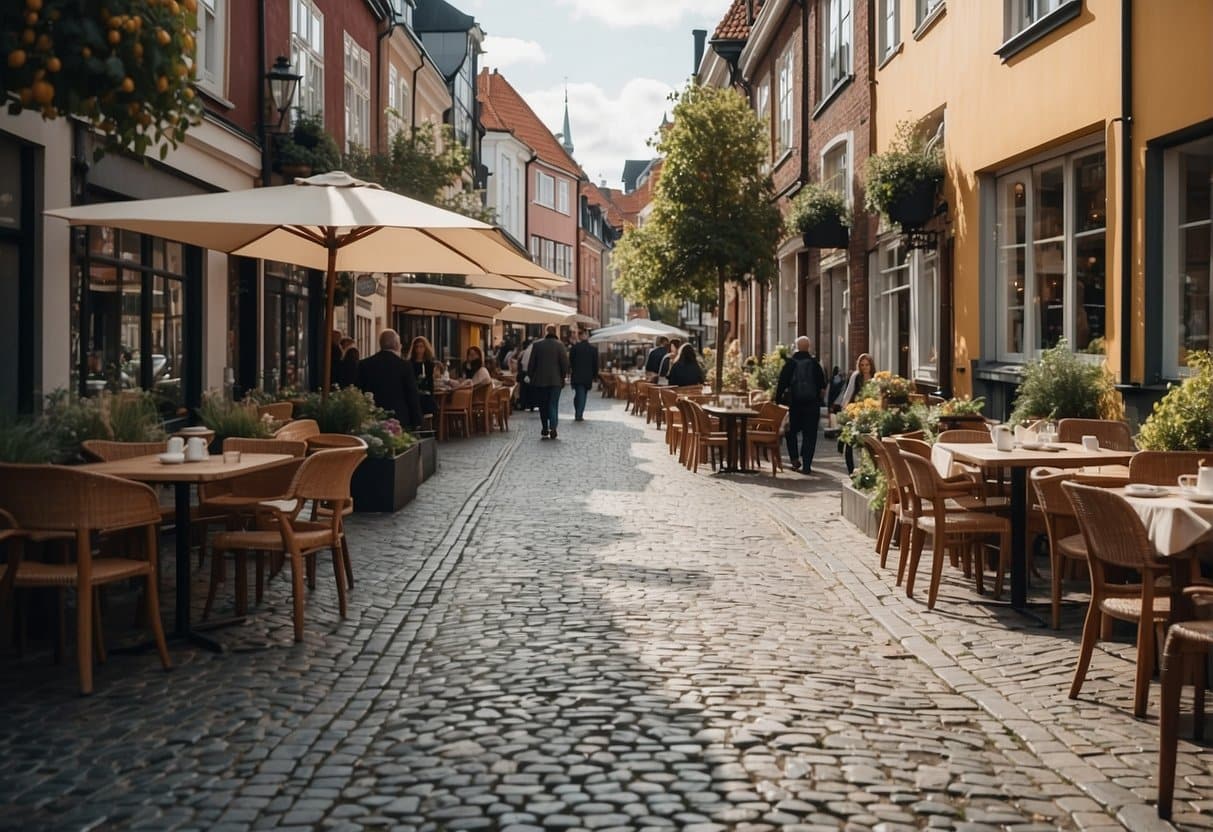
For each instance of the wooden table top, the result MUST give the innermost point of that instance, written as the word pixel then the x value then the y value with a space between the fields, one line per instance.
pixel 212 469
pixel 1072 455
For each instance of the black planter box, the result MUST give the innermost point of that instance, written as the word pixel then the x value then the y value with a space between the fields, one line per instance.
pixel 386 483
pixel 428 447
pixel 916 208
pixel 832 234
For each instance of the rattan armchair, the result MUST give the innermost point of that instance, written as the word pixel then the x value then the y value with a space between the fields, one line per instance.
pixel 278 411
pixel 763 435
pixel 1066 543
pixel 1111 433
pixel 1165 467
pixel 888 514
pixel 457 411
pixel 322 477
pixel 481 418
pixel 56 499
pixel 105 450
pixel 298 430
pixel 706 440
pixel 1188 646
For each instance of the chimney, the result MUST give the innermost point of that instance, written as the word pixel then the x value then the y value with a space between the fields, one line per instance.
pixel 700 36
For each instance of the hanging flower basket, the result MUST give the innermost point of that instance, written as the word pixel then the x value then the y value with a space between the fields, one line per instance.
pixel 828 234
pixel 822 216
pixel 915 208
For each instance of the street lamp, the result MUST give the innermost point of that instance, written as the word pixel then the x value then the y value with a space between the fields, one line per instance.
pixel 282 87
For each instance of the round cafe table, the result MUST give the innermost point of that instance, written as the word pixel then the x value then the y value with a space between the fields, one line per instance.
pixel 734 422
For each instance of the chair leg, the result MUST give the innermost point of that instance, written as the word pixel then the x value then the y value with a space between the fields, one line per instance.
pixel 1004 555
pixel 217 560
pixel 98 633
pixel 1090 632
pixel 1055 569
pixel 297 569
pixel 918 538
pixel 84 638
pixel 1145 667
pixel 259 579
pixel 240 566
pixel 904 535
pixel 152 596
pixel 885 536
pixel 1168 725
pixel 1201 682
pixel 936 574
pixel 339 574
pixel 345 560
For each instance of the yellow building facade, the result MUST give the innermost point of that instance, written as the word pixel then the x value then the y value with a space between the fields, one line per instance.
pixel 1035 102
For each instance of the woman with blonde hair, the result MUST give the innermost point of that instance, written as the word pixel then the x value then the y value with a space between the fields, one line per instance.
pixel 421 356
pixel 865 368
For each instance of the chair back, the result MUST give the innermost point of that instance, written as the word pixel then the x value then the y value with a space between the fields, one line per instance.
pixel 480 395
pixel 327 441
pixel 918 447
pixel 290 447
pixel 1112 529
pixel 325 475
pixel 899 476
pixel 59 498
pixel 880 458
pixel 104 450
pixel 923 477
pixel 1112 434
pixel 460 399
pixel 1165 467
pixel 1050 497
pixel 962 436
pixel 278 411
pixel 702 421
pixel 299 430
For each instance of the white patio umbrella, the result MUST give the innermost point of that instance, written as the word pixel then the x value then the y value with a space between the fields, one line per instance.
pixel 331 222
pixel 637 329
pixel 502 304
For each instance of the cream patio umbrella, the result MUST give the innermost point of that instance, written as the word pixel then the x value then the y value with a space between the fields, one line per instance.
pixel 637 329
pixel 331 222
pixel 502 304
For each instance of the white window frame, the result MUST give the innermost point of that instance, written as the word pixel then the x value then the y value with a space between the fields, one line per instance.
pixel 921 288
pixel 1020 14
pixel 923 9
pixel 763 107
pixel 1173 269
pixel 888 23
pixel 786 82
pixel 562 196
pixel 1027 172
pixel 211 40
pixel 838 144
pixel 545 190
pixel 397 101
pixel 357 94
pixel 837 36
pixel 307 56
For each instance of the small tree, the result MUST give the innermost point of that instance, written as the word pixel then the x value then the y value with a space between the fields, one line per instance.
pixel 714 218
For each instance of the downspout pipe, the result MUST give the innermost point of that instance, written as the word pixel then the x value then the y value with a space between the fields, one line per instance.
pixel 1126 190
pixel 262 129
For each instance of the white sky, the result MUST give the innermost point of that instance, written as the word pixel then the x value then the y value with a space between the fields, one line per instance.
pixel 621 58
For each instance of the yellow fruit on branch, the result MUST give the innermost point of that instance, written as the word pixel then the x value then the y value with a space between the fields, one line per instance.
pixel 33 5
pixel 28 37
pixel 54 65
pixel 113 37
pixel 127 85
pixel 43 92
pixel 16 59
pixel 162 37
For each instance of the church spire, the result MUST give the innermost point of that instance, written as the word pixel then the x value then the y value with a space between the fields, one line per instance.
pixel 567 135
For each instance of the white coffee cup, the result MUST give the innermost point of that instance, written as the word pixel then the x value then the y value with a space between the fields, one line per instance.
pixel 1090 443
pixel 176 445
pixel 1204 479
pixel 1004 439
pixel 195 449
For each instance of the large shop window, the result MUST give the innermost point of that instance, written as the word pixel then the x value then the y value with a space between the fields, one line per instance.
pixel 1188 252
pixel 286 345
pixel 905 312
pixel 1052 258
pixel 130 324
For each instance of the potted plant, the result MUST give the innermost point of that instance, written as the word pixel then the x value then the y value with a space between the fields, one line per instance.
pixel 891 390
pixel 228 418
pixel 902 183
pixel 1182 420
pixel 820 214
pixel 306 149
pixel 388 478
pixel 1062 385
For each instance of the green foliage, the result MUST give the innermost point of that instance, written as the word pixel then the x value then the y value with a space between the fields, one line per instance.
pixel 417 167
pixel 1060 385
pixel 1182 420
pixel 896 173
pixel 27 441
pixel 734 372
pixel 868 478
pixel 308 144
pixel 134 417
pixel 345 410
pixel 69 420
pixel 817 205
pixel 227 418
pixel 765 376
pixel 385 438
pixel 123 65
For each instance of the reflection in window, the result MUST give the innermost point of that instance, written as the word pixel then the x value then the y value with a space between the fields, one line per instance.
pixel 1189 250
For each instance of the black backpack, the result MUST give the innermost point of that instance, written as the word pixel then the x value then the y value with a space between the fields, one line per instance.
pixel 804 388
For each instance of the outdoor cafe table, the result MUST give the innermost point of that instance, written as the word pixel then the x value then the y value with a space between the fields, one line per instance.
pixel 733 420
pixel 149 469
pixel 1175 524
pixel 988 458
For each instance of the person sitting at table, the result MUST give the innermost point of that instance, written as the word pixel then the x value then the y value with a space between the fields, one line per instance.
pixel 686 370
pixel 421 356
pixel 389 378
pixel 345 372
pixel 473 365
pixel 663 370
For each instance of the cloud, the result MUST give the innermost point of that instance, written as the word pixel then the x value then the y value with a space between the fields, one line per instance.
pixel 623 13
pixel 501 52
pixel 607 128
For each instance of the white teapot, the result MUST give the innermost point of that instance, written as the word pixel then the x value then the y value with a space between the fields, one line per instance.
pixel 1003 438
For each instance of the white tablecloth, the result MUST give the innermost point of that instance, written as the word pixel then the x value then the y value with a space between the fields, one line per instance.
pixel 1174 523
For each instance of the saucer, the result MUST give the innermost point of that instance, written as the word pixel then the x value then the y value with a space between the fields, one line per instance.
pixel 196 430
pixel 1196 496
pixel 1137 489
pixel 171 459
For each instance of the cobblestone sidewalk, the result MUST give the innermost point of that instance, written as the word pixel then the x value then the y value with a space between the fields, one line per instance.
pixel 577 634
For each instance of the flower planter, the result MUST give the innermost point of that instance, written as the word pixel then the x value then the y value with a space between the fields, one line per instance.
pixel 428 448
pixel 855 509
pixel 386 483
pixel 915 208
pixel 829 234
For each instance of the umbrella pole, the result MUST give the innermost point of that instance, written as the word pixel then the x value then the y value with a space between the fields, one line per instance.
pixel 331 294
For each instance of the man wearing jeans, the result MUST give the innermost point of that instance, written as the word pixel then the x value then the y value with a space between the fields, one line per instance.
pixel 583 369
pixel 801 387
pixel 547 368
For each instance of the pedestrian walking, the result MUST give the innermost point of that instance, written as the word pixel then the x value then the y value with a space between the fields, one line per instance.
pixel 802 385
pixel 389 378
pixel 865 368
pixel 548 365
pixel 583 369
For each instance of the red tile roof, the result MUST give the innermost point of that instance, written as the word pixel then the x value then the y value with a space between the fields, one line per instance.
pixel 503 109
pixel 735 24
pixel 596 196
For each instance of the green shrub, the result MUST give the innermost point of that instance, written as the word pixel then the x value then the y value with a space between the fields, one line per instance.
pixel 28 441
pixel 345 410
pixel 895 174
pixel 227 418
pixel 1182 420
pixel 134 417
pixel 765 376
pixel 1061 385
pixel 817 205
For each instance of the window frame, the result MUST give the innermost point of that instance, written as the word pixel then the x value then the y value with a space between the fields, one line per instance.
pixel 839 143
pixel 1172 229
pixel 210 78
pixel 357 93
pixel 1019 32
pixel 888 28
pixel 836 36
pixel 924 10
pixel 306 58
pixel 786 85
pixel 919 268
pixel 562 196
pixel 545 182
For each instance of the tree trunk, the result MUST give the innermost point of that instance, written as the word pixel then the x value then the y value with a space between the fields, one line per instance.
pixel 719 329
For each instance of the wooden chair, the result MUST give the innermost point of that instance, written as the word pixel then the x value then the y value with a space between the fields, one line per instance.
pixel 105 450
pixel 1165 467
pixel 1187 649
pixel 1116 539
pixel 298 430
pixel 278 411
pixel 458 410
pixel 889 514
pixel 965 436
pixel 763 434
pixel 640 398
pixel 60 500
pixel 947 528
pixel 707 440
pixel 329 441
pixel 1112 434
pixel 481 419
pixel 606 384
pixel 501 405
pixel 1066 543
pixel 322 477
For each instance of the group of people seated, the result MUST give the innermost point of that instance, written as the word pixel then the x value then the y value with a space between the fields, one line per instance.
pixel 673 362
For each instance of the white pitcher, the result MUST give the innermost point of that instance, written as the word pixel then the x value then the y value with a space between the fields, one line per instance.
pixel 1004 440
pixel 1204 479
pixel 195 449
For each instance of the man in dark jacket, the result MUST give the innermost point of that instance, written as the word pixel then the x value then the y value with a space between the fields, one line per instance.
pixel 652 364
pixel 548 365
pixel 801 387
pixel 389 378
pixel 583 369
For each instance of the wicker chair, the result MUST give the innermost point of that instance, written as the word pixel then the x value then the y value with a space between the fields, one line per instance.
pixel 481 419
pixel 290 447
pixel 105 450
pixel 1188 646
pixel 278 411
pixel 1066 543
pixel 323 477
pixel 947 528
pixel 298 430
pixel 889 514
pixel 1112 434
pixel 764 435
pixel 706 439
pixel 500 406
pixel 329 441
pixel 78 502
pixel 1165 467
pixel 457 410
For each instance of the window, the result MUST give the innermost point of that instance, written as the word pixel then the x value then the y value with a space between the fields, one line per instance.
pixel 905 313
pixel 1188 251
pixel 889 23
pixel 763 107
pixel 534 248
pixel 545 189
pixel 836 44
pixel 357 94
pixel 839 351
pixel 785 98
pixel 562 259
pixel 397 101
pixel 549 255
pixel 504 176
pixel 835 170
pixel 210 52
pixel 1020 14
pixel 307 56
pixel 924 9
pixel 1051 246
pixel 562 196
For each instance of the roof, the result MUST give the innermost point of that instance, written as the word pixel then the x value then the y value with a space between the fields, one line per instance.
pixel 632 169
pixel 735 25
pixel 440 16
pixel 595 196
pixel 503 109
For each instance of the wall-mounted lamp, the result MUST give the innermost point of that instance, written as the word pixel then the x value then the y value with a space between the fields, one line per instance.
pixel 283 84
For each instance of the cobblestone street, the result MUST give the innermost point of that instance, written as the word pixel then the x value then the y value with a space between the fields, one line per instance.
pixel 582 634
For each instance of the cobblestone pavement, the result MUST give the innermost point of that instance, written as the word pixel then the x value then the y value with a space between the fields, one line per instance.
pixel 580 634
